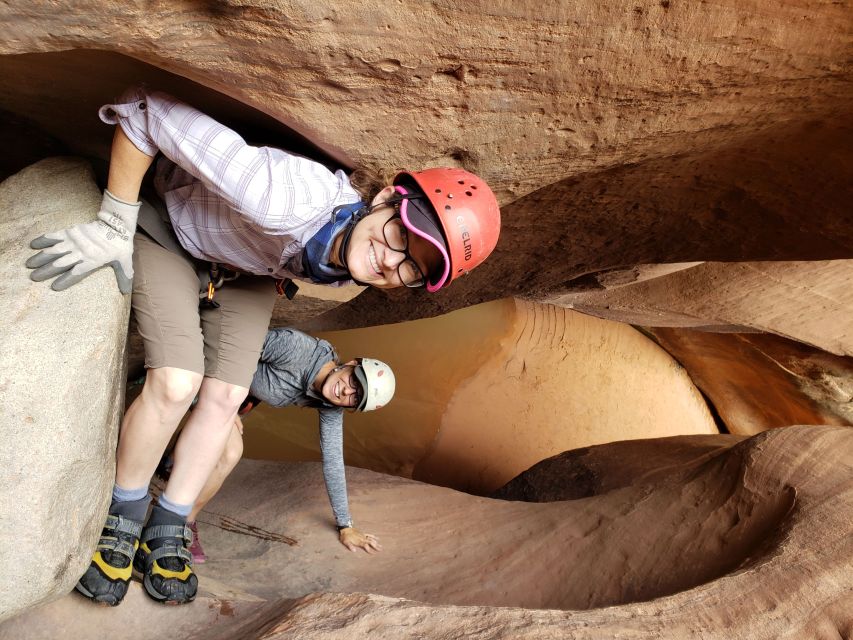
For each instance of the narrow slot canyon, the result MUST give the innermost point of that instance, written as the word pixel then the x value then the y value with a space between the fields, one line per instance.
pixel 634 420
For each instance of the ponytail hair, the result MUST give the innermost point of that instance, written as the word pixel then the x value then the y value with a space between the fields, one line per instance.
pixel 368 181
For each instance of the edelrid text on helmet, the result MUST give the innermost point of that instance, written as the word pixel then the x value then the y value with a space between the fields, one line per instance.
pixel 466 237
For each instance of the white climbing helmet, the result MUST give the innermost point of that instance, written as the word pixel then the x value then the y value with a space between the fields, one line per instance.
pixel 377 383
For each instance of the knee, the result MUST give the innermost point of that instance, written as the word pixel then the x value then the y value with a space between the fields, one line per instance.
pixel 173 387
pixel 233 453
pixel 222 397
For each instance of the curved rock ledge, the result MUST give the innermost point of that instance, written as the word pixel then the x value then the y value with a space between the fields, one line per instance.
pixel 711 536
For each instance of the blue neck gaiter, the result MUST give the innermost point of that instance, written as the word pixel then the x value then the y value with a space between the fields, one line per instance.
pixel 316 258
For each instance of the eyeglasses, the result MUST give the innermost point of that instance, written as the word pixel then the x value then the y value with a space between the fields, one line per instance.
pixel 397 238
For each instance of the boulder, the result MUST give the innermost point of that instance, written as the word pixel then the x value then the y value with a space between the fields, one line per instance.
pixel 62 373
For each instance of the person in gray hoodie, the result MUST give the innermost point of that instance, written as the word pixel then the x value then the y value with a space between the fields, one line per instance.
pixel 297 369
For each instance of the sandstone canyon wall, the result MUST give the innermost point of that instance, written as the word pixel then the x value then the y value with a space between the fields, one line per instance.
pixel 717 537
pixel 758 381
pixel 614 134
pixel 620 138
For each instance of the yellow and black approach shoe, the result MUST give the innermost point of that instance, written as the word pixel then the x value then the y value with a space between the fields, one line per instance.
pixel 106 579
pixel 166 564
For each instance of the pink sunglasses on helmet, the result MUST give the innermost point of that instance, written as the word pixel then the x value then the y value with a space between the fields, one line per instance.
pixel 427 230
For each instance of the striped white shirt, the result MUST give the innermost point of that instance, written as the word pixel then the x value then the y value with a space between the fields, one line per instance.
pixel 253 208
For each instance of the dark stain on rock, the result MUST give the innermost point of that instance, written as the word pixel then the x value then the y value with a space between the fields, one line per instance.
pixel 226 608
pixel 62 569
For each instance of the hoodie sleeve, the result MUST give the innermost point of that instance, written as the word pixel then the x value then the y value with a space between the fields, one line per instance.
pixel 332 450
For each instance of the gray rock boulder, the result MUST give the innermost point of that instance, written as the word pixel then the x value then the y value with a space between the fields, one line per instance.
pixel 62 363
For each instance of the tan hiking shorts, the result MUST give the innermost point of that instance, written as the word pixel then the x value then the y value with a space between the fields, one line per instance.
pixel 223 343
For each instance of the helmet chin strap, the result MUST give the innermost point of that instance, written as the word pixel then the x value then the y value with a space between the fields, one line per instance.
pixel 354 220
pixel 342 252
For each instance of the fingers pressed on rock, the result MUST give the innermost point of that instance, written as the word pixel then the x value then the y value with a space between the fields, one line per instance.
pixel 125 284
pixel 43 242
pixel 67 280
pixel 41 258
pixel 48 271
pixel 67 259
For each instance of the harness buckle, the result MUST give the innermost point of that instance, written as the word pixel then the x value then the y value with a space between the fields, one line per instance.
pixel 286 287
pixel 208 302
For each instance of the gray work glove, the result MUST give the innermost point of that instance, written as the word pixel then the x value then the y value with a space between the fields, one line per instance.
pixel 76 252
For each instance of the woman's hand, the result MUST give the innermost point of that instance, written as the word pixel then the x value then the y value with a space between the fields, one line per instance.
pixel 353 539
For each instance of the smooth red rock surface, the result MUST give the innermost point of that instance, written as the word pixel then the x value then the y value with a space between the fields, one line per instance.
pixel 810 302
pixel 618 137
pixel 759 381
pixel 614 134
pixel 717 536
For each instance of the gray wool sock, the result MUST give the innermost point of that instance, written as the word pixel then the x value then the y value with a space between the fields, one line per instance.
pixel 130 503
pixel 120 494
pixel 132 509
pixel 182 510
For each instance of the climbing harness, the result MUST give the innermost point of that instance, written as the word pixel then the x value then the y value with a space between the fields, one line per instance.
pixel 248 404
pixel 217 275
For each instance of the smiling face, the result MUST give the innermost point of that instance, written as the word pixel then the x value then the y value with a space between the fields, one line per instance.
pixel 369 258
pixel 340 387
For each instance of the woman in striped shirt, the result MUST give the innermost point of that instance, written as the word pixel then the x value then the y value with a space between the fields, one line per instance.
pixel 231 218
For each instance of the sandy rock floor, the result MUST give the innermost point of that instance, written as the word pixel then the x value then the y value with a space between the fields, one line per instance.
pixel 717 536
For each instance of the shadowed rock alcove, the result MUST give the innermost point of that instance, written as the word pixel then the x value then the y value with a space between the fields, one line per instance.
pixel 51 100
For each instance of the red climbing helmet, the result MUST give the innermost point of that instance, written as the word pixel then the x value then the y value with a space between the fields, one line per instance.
pixel 467 213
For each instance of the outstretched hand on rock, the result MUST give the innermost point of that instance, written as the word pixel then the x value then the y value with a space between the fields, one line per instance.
pixel 353 539
pixel 72 254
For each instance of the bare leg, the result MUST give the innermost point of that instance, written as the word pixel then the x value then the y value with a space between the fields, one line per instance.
pixel 203 439
pixel 230 457
pixel 150 422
